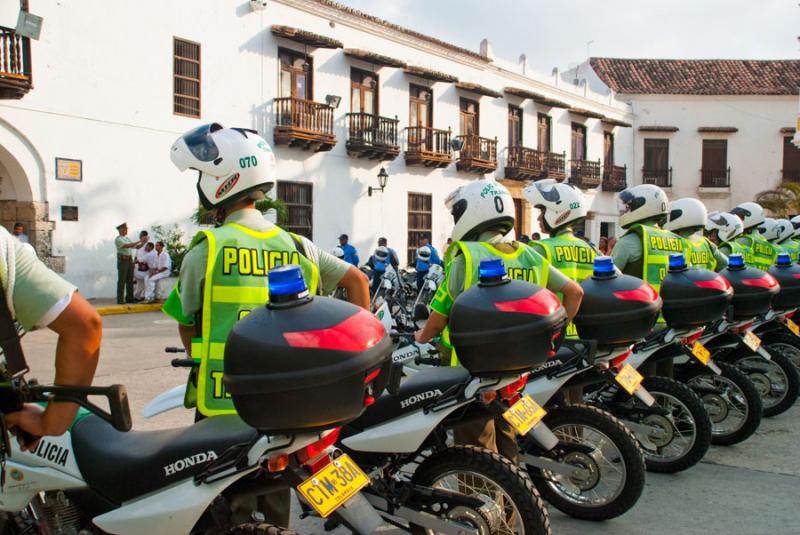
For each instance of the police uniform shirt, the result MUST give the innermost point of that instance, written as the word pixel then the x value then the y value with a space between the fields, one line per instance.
pixel 457 271
pixel 719 256
pixel 627 250
pixel 119 241
pixel 193 268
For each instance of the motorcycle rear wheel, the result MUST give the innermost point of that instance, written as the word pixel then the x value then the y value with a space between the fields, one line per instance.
pixel 776 380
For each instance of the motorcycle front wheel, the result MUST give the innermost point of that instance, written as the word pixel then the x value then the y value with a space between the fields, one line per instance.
pixel 512 503
pixel 776 380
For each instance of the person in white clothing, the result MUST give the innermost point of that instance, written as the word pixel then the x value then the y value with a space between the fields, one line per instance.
pixel 161 268
pixel 145 261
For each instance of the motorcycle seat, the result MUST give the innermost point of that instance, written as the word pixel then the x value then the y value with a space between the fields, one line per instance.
pixel 122 466
pixel 415 392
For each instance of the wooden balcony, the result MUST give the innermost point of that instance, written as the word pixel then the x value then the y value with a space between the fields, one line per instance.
pixel 530 164
pixel 428 146
pixel 615 177
pixel 16 77
pixel 304 123
pixel 790 175
pixel 658 177
pixel 371 136
pixel 478 155
pixel 585 173
pixel 715 178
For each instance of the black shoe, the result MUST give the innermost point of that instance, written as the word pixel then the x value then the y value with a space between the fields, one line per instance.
pixel 130 301
pixel 120 302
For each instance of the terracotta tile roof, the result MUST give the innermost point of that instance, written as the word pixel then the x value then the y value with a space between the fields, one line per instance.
pixel 699 77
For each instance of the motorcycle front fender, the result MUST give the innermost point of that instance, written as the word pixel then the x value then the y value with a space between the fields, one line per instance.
pixel 165 401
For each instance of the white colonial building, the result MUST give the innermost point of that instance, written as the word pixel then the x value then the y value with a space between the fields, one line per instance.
pixel 90 109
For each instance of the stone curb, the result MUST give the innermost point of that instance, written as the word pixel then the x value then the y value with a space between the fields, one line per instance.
pixel 128 309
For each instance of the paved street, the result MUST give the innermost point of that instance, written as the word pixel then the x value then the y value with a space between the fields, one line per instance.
pixel 744 489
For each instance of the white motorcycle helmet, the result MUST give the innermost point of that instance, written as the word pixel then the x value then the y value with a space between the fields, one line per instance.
pixel 641 203
pixel 769 229
pixel 338 252
pixel 750 213
pixel 424 253
pixel 785 230
pixel 382 253
pixel 234 163
pixel 685 214
pixel 480 206
pixel 727 226
pixel 561 204
pixel 796 224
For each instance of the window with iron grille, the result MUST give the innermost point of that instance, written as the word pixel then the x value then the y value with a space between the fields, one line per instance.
pixel 299 200
pixel 186 78
pixel 420 221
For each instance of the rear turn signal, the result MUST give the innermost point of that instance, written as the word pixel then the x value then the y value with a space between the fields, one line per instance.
pixel 277 463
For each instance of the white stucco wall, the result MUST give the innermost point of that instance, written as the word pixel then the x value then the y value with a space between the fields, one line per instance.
pixel 103 94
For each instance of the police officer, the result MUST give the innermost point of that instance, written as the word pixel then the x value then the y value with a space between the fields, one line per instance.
pixel 379 261
pixel 779 233
pixel 687 218
pixel 760 253
pixel 350 253
pixel 722 229
pixel 791 243
pixel 224 274
pixel 125 249
pixel 36 297
pixel 483 213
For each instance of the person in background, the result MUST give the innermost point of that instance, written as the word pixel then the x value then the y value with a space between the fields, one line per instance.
pixel 525 239
pixel 378 262
pixel 145 261
pixel 19 233
pixel 536 236
pixel 424 240
pixel 393 258
pixel 603 245
pixel 611 243
pixel 161 268
pixel 423 264
pixel 125 249
pixel 448 244
pixel 350 253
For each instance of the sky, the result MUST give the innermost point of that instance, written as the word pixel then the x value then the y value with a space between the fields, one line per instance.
pixel 555 33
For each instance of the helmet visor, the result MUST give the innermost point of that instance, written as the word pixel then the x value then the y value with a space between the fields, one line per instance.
pixel 201 144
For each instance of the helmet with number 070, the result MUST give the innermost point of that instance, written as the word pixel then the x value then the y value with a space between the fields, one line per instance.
pixel 234 163
pixel 642 203
pixel 751 214
pixel 561 204
pixel 727 226
pixel 480 206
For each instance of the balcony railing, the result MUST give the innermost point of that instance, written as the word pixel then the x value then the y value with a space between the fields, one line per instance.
pixel 791 175
pixel 715 178
pixel 371 136
pixel 16 76
pixel 304 123
pixel 478 155
pixel 428 146
pixel 585 173
pixel 615 177
pixel 530 164
pixel 657 177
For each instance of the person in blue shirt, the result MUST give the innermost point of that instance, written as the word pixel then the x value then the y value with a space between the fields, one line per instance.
pixel 378 262
pixel 393 258
pixel 426 256
pixel 350 253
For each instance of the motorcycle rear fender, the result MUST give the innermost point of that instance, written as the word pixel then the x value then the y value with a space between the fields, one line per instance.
pixel 543 388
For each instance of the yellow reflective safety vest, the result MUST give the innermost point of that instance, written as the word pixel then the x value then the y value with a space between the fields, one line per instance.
pixel 523 264
pixel 700 253
pixel 657 245
pixel 762 253
pixel 792 247
pixel 239 259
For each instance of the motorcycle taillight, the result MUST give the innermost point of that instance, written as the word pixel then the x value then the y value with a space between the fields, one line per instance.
pixel 509 391
pixel 618 362
pixel 315 455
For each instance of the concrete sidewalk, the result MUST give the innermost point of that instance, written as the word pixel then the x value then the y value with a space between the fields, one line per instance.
pixel 107 306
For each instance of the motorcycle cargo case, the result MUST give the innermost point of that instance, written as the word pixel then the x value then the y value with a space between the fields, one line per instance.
pixel 788 278
pixel 694 297
pixel 617 310
pixel 753 291
pixel 305 367
pixel 506 328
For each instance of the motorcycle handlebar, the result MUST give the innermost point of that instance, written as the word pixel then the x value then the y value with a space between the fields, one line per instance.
pixel 173 349
pixel 428 361
pixel 184 363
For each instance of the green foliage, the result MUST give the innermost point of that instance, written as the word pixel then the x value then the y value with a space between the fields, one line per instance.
pixel 172 236
pixel 782 201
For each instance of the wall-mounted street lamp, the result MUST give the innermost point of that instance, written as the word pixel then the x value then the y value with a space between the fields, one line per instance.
pixel 383 178
pixel 333 100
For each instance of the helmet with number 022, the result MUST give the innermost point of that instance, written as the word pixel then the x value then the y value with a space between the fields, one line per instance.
pixel 480 206
pixel 751 214
pixel 727 226
pixel 686 214
pixel 561 204
pixel 642 203
pixel 234 163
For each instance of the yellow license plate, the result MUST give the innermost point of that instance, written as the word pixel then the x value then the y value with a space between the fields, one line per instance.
pixel 793 327
pixel 524 414
pixel 333 485
pixel 701 353
pixel 629 378
pixel 752 340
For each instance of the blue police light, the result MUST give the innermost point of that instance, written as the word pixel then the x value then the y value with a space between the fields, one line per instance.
pixel 677 261
pixel 286 280
pixel 492 267
pixel 784 259
pixel 603 265
pixel 735 261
